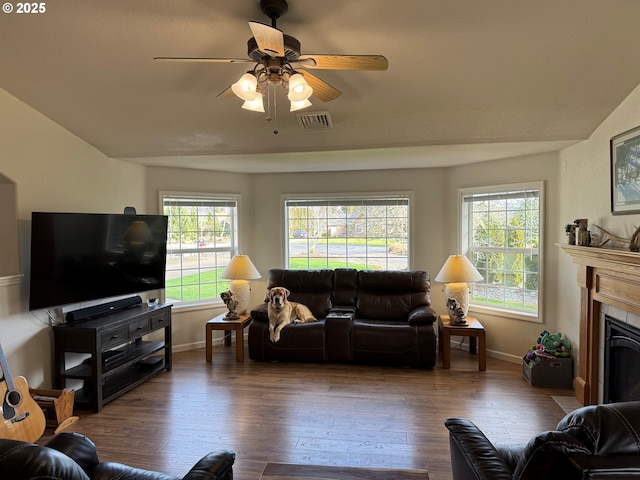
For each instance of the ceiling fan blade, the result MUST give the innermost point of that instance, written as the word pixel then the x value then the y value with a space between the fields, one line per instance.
pixel 226 93
pixel 203 60
pixel 346 62
pixel 321 89
pixel 270 40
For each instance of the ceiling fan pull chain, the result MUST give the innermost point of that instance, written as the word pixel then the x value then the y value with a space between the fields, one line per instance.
pixel 275 111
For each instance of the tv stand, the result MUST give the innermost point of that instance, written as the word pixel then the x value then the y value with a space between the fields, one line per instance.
pixel 120 357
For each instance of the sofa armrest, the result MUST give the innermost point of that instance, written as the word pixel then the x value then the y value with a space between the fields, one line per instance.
pixel 213 466
pixel 473 456
pixel 260 313
pixel 423 315
pixel 76 446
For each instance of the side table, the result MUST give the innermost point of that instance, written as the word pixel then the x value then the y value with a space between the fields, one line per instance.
pixel 220 323
pixel 473 329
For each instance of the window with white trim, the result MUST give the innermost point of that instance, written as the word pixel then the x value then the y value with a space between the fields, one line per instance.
pixel 201 240
pixel 366 233
pixel 502 236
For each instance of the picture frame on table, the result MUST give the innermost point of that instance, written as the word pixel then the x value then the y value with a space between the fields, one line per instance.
pixel 625 172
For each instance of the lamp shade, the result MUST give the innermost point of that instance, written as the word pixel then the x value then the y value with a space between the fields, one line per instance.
pixel 295 106
pixel 138 232
pixel 458 269
pixel 240 268
pixel 299 89
pixel 245 88
pixel 255 105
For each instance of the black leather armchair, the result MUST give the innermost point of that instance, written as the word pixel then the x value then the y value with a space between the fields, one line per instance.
pixel 71 456
pixel 593 442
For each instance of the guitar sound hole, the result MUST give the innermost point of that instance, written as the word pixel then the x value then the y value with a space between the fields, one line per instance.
pixel 13 398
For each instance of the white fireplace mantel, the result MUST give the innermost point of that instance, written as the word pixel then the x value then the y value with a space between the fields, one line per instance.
pixel 605 276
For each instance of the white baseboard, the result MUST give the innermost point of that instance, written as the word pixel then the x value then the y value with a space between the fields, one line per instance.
pixel 184 347
pixel 507 357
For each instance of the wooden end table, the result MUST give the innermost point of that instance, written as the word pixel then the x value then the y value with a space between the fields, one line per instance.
pixel 220 323
pixel 473 329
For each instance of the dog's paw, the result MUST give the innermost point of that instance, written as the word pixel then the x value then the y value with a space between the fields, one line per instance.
pixel 297 320
pixel 275 337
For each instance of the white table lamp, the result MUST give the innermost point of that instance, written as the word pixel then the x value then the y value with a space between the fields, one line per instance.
pixel 456 272
pixel 239 270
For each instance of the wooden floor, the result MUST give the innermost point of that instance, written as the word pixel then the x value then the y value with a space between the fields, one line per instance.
pixel 349 415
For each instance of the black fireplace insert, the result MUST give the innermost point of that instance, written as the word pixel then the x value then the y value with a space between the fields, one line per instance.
pixel 621 361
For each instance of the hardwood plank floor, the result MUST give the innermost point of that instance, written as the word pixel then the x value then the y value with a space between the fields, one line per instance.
pixel 333 414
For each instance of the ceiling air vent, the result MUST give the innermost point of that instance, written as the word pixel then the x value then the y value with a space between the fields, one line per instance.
pixel 314 121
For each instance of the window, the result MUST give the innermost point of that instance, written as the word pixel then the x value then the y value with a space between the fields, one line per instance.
pixel 502 235
pixel 365 233
pixel 202 238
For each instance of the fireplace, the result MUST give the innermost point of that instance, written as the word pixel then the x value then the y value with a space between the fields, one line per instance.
pixel 609 281
pixel 621 361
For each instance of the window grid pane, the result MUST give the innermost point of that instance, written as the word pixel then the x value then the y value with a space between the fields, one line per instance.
pixel 503 239
pixel 366 234
pixel 201 242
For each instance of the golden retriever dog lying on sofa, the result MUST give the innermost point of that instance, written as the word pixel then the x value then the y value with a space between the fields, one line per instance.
pixel 282 312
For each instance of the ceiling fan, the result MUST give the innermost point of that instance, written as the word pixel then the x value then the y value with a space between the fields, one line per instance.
pixel 278 61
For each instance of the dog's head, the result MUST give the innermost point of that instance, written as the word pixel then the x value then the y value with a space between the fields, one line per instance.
pixel 278 296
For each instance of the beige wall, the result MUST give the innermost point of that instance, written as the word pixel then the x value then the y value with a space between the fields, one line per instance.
pixel 585 193
pixel 53 170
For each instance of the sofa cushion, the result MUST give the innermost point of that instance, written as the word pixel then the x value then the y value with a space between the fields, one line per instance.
pixel 383 342
pixel 312 288
pixel 345 287
pixel 298 342
pixel 391 295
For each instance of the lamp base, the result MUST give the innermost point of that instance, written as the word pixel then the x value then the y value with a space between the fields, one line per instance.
pixel 457 295
pixel 241 293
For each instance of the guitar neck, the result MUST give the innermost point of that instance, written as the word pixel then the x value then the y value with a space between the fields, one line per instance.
pixel 5 371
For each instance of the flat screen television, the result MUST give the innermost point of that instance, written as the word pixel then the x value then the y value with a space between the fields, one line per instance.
pixel 77 257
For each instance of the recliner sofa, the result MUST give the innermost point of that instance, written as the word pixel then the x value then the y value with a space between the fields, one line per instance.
pixel 72 456
pixel 364 316
pixel 593 442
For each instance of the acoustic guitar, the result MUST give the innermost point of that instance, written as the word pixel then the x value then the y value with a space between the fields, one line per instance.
pixel 22 418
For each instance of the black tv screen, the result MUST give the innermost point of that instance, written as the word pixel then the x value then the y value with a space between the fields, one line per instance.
pixel 76 257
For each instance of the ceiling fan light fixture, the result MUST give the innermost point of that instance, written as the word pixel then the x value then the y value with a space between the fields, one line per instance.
pixel 299 89
pixel 245 88
pixel 255 105
pixel 299 105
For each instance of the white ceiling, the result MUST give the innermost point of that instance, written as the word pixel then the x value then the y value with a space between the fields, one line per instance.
pixel 468 80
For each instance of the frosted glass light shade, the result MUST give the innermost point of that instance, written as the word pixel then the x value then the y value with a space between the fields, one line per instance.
pixel 245 88
pixel 299 89
pixel 255 105
pixel 295 106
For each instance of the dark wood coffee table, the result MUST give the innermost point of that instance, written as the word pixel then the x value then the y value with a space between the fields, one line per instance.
pixel 289 471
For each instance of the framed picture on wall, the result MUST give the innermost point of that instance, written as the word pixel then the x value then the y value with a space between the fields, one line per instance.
pixel 625 172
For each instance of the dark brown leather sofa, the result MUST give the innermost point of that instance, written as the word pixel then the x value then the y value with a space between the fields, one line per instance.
pixel 594 442
pixel 71 456
pixel 366 316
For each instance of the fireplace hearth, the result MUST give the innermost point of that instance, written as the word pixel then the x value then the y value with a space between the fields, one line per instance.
pixel 621 361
